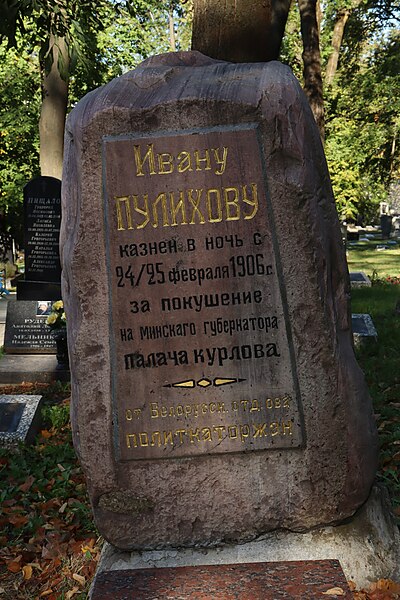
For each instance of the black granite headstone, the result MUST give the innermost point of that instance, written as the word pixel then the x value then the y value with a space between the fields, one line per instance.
pixel 10 416
pixel 26 331
pixel 42 219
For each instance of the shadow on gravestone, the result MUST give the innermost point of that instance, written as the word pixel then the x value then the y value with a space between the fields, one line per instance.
pixel 215 391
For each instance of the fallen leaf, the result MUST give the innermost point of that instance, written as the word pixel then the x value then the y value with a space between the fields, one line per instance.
pixel 63 507
pixel 24 487
pixel 386 585
pixel 335 591
pixel 27 571
pixel 46 434
pixel 46 593
pixel 71 593
pixel 18 520
pixel 62 469
pixel 81 580
pixel 352 586
pixel 14 566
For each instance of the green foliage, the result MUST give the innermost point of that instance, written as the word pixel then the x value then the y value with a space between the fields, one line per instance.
pixel 363 118
pixel 19 138
pixel 105 39
pixel 292 46
pixel 133 35
pixel 57 415
pixel 362 107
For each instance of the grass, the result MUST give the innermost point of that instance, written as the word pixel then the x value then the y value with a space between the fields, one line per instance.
pixel 381 361
pixel 381 365
pixel 364 257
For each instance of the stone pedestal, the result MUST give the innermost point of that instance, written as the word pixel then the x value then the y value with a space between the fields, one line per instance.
pixel 247 581
pixel 367 548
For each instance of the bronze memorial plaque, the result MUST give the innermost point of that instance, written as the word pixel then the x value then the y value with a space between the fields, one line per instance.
pixel 201 353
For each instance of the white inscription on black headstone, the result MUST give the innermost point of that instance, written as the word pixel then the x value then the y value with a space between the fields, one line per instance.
pixel 42 218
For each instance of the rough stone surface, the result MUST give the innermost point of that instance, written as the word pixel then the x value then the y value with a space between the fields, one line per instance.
pixel 185 500
pixel 306 580
pixel 367 546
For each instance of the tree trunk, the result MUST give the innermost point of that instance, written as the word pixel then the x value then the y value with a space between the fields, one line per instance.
pixel 337 37
pixel 239 30
pixel 53 112
pixel 312 61
pixel 172 42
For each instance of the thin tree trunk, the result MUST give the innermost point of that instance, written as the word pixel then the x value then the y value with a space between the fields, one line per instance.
pixel 337 37
pixel 312 61
pixel 172 42
pixel 239 30
pixel 53 112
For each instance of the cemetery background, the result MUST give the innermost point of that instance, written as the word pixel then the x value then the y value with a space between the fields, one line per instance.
pixel 379 302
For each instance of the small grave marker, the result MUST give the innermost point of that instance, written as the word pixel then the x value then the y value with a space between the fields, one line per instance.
pixel 19 419
pixel 363 329
pixel 359 279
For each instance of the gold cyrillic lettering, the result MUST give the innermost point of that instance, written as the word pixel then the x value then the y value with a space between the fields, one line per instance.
pixel 233 202
pixel 120 220
pixel 165 159
pixel 163 199
pixel 144 212
pixel 131 437
pixel 184 162
pixel 220 161
pixel 195 203
pixel 251 202
pixel 199 160
pixel 287 428
pixel 149 156
pixel 217 194
pixel 175 208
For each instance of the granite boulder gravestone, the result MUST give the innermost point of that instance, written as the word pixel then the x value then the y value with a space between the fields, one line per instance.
pixel 215 392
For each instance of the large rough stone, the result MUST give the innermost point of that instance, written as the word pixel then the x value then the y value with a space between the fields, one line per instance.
pixel 222 475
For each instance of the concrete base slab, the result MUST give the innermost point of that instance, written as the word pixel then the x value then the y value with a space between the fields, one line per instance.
pixel 18 368
pixel 367 546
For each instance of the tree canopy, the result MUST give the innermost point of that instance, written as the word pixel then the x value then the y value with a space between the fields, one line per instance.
pixel 346 52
